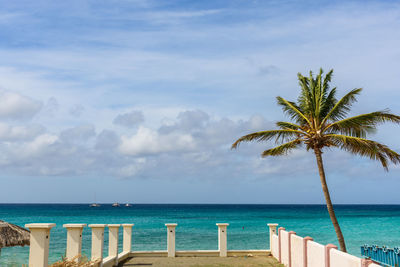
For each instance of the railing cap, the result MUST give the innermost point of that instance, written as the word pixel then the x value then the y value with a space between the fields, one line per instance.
pixel 330 246
pixel 74 225
pixel 97 225
pixel 171 224
pixel 222 224
pixel 40 225
pixel 272 224
pixel 113 225
pixel 128 224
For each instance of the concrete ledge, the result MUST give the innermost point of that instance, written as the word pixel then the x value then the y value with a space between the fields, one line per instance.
pixel 97 225
pixel 109 261
pixel 74 225
pixel 155 253
pixel 40 225
pixel 123 255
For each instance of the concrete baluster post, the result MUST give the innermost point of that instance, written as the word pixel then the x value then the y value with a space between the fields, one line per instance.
pixel 127 241
pixel 222 239
pixel 272 231
pixel 290 247
pixel 280 245
pixel 113 230
pixel 97 241
pixel 74 240
pixel 39 243
pixel 305 240
pixel 327 254
pixel 171 239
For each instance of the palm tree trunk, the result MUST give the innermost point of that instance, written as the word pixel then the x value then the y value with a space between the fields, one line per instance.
pixel 318 155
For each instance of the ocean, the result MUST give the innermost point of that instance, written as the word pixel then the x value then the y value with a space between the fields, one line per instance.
pixel 361 224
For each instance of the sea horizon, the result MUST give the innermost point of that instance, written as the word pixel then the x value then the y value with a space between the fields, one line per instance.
pixel 196 203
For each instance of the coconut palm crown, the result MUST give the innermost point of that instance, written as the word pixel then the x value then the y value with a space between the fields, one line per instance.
pixel 319 120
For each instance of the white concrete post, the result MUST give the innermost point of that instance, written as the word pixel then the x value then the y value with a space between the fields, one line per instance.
pixel 127 241
pixel 39 243
pixel 290 246
pixel 272 231
pixel 327 254
pixel 171 238
pixel 280 243
pixel 97 241
pixel 222 239
pixel 74 240
pixel 113 230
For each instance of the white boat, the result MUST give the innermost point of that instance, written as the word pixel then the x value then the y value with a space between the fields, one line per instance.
pixel 128 205
pixel 115 205
pixel 95 204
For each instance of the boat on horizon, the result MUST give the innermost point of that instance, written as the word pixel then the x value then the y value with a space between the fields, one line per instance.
pixel 128 205
pixel 115 205
pixel 94 205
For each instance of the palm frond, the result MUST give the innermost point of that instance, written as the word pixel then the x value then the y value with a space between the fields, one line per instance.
pixel 363 124
pixel 267 135
pixel 293 110
pixel 342 107
pixel 305 98
pixel 329 103
pixel 366 148
pixel 288 125
pixel 282 149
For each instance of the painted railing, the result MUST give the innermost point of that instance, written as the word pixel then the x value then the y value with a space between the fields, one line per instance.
pixel 40 240
pixel 383 255
pixel 295 251
pixel 288 248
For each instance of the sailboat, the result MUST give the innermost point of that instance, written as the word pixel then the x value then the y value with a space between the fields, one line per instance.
pixel 128 205
pixel 115 205
pixel 93 205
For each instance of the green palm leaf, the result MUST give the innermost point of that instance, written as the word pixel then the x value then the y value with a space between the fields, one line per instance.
pixel 267 135
pixel 282 149
pixel 342 107
pixel 365 148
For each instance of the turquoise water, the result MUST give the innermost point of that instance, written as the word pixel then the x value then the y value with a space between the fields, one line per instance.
pixel 371 224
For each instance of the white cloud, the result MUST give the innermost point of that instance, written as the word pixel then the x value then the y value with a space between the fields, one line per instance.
pixel 19 133
pixel 16 106
pixel 150 142
pixel 39 145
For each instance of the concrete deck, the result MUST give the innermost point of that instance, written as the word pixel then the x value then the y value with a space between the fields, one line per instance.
pixel 265 261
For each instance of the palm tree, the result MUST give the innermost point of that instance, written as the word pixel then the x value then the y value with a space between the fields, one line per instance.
pixel 319 122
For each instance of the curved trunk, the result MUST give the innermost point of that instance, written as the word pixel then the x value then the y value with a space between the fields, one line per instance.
pixel 318 155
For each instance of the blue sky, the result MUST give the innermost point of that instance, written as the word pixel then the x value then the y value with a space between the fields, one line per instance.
pixel 139 101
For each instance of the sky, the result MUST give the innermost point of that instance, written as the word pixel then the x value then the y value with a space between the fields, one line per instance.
pixel 140 100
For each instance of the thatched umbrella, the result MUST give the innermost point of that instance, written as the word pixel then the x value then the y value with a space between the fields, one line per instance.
pixel 13 235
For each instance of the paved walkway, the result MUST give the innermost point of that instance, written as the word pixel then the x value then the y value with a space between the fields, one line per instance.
pixel 201 262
